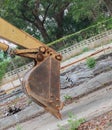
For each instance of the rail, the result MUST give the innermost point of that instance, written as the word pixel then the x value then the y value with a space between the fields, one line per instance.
pixel 71 51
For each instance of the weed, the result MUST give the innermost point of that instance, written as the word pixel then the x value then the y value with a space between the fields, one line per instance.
pixel 29 101
pixel 85 49
pixel 91 62
pixel 18 127
pixel 73 123
pixel 67 97
pixel 60 127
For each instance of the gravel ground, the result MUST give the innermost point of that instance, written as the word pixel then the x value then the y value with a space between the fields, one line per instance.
pixel 102 122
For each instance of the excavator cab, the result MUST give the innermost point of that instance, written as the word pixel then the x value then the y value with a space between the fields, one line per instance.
pixel 42 82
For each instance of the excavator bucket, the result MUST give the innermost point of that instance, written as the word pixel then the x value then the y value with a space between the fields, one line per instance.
pixel 42 84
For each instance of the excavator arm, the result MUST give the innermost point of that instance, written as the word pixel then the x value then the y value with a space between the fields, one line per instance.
pixel 42 82
pixel 4 47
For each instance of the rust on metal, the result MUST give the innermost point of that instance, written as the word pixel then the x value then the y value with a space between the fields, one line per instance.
pixel 42 83
pixel 84 58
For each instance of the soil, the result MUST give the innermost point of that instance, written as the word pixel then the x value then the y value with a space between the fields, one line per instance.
pixel 101 122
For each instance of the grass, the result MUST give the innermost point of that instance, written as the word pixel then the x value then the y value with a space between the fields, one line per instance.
pixel 73 123
pixel 85 49
pixel 67 97
pixel 91 62
pixel 18 127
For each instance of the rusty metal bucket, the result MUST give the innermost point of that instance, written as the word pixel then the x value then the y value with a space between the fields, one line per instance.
pixel 42 84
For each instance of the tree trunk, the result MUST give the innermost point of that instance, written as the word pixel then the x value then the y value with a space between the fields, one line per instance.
pixel 59 20
pixel 93 14
pixel 43 31
pixel 109 6
pixel 39 25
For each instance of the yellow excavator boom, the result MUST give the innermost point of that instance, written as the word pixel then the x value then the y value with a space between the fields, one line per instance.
pixel 17 36
pixel 42 82
pixel 4 46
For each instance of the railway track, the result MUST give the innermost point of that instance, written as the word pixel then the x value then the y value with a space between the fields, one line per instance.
pixel 73 61
pixel 87 96
pixel 87 107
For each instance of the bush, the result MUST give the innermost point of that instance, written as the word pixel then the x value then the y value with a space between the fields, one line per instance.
pixel 20 61
pixel 3 67
pixel 91 62
pixel 6 66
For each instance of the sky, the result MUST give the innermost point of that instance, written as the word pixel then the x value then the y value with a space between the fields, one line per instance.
pixel 7 42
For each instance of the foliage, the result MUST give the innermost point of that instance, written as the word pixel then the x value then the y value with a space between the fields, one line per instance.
pixel 67 97
pixel 52 19
pixel 18 127
pixel 88 32
pixel 108 4
pixel 73 123
pixel 86 9
pixel 60 127
pixel 85 49
pixel 3 67
pixel 39 18
pixel 20 61
pixel 91 62
pixel 6 66
pixel 1 56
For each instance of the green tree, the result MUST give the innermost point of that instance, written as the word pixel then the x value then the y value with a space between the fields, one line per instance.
pixel 109 6
pixel 87 9
pixel 31 15
pixel 49 20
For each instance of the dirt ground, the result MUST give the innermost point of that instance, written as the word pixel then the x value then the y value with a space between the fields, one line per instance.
pixel 102 122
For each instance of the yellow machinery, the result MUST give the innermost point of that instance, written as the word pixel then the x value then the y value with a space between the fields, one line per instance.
pixel 42 82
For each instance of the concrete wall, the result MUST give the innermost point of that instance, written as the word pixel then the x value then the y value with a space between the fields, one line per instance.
pixel 73 50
